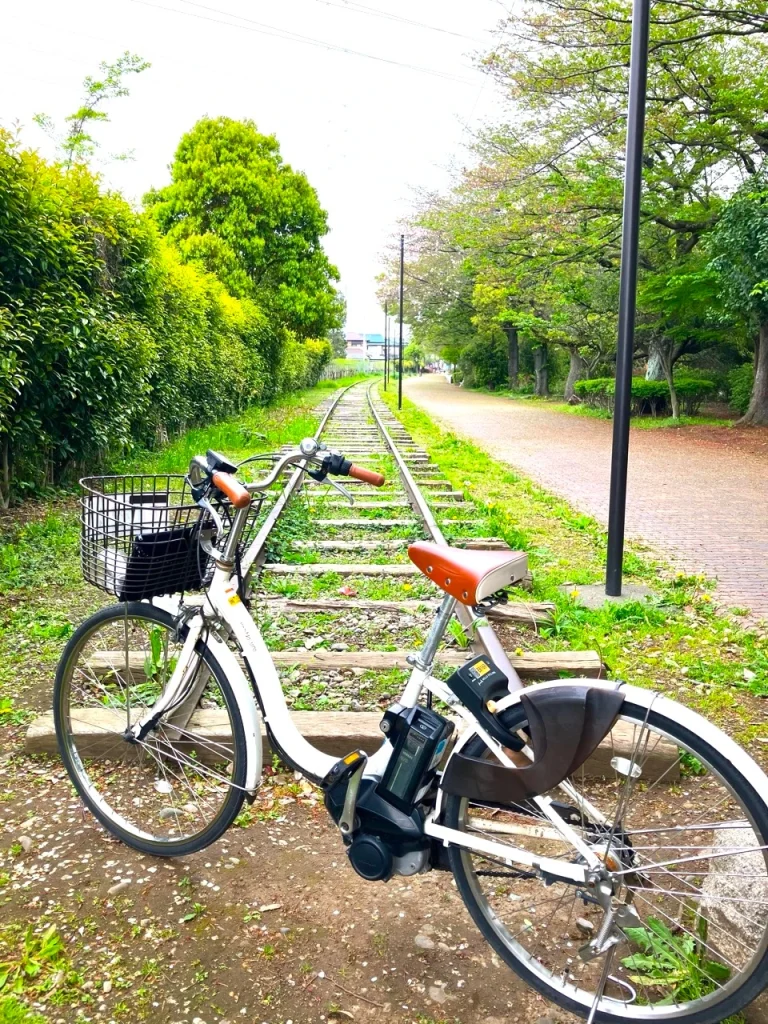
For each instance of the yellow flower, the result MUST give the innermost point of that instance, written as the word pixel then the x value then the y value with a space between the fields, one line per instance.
pixel 574 592
pixel 705 597
pixel 519 652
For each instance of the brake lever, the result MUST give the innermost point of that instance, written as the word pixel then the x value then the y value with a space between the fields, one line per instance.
pixel 206 544
pixel 341 489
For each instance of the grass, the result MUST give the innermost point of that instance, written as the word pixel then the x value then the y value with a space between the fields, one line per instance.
pixel 42 594
pixel 640 422
pixel 678 642
pixel 14 1012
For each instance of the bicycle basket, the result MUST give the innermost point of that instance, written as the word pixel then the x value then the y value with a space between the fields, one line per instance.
pixel 140 535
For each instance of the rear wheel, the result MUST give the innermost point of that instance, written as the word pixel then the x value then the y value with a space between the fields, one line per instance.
pixel 178 789
pixel 685 842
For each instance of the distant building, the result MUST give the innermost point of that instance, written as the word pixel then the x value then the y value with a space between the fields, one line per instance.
pixel 368 347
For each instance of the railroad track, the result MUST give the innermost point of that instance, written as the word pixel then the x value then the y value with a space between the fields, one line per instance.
pixel 339 603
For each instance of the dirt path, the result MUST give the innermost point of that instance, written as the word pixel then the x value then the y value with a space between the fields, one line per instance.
pixel 268 926
pixel 699 494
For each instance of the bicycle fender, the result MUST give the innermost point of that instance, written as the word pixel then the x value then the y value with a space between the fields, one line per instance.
pixel 566 723
pixel 247 709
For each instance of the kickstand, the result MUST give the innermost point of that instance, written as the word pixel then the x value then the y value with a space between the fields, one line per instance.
pixel 601 984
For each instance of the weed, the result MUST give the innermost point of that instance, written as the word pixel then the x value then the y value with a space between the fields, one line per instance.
pixel 197 910
pixel 14 1012
pixel 10 714
pixel 456 630
pixel 690 764
pixel 672 963
pixel 34 956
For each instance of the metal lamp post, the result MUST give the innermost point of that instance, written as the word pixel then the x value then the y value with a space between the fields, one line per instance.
pixel 400 355
pixel 633 174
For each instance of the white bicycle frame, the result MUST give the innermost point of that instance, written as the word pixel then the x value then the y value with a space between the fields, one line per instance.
pixel 223 610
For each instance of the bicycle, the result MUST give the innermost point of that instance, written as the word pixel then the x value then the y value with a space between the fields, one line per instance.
pixel 609 843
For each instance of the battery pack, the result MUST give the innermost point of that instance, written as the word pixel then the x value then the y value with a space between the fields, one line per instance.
pixel 419 737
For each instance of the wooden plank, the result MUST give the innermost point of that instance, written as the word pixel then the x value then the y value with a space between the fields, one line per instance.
pixel 529 614
pixel 277 604
pixel 336 503
pixel 342 569
pixel 529 665
pixel 334 732
pixel 349 545
pixel 382 524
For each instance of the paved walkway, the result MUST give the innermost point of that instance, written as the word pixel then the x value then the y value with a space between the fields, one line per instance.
pixel 699 495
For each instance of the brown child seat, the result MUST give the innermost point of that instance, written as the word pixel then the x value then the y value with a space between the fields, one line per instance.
pixel 468 575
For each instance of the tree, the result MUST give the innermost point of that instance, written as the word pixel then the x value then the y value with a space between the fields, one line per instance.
pixel 739 247
pixel 415 355
pixel 237 209
pixel 78 145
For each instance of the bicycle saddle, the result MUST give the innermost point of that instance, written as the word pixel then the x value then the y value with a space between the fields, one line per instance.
pixel 468 575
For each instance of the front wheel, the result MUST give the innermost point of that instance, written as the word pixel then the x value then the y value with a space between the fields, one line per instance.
pixel 684 835
pixel 180 787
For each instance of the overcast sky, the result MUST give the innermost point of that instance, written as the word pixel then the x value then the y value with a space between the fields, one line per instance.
pixel 366 132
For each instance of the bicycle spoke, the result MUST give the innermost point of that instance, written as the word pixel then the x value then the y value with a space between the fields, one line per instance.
pixel 174 782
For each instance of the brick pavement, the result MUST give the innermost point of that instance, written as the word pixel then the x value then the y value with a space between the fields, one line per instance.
pixel 698 495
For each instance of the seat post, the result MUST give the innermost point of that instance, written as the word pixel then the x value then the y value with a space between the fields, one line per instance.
pixel 423 660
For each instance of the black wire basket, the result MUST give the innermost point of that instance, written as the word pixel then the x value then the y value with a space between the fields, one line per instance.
pixel 141 536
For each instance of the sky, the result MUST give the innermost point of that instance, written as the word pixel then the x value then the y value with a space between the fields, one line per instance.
pixel 367 132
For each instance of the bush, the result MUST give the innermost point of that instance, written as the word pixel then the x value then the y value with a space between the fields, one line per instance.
pixel 649 397
pixel 483 363
pixel 107 340
pixel 740 383
pixel 692 389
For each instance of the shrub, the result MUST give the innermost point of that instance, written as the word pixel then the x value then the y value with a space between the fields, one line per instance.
pixel 107 340
pixel 740 383
pixel 691 390
pixel 649 397
pixel 483 363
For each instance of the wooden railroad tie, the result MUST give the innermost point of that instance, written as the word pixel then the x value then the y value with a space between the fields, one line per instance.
pixel 98 735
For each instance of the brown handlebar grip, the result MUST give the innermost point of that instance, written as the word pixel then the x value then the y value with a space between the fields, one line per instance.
pixel 367 475
pixel 233 489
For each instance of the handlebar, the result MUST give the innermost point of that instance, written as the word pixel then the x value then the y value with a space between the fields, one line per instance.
pixel 233 489
pixel 220 472
pixel 367 476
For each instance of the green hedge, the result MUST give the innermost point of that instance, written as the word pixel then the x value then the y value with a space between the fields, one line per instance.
pixel 649 397
pixel 107 340
pixel 741 380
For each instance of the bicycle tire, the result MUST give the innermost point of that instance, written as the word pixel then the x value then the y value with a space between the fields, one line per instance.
pixel 64 734
pixel 715 1013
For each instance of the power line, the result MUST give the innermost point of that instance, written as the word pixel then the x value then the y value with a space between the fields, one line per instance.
pixel 273 30
pixel 356 8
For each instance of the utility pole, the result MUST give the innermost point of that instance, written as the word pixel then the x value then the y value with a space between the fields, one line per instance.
pixel 400 374
pixel 633 181
pixel 386 342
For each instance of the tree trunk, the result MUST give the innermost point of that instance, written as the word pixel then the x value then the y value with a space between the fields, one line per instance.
pixel 673 399
pixel 656 361
pixel 542 371
pixel 513 357
pixel 575 372
pixel 757 413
